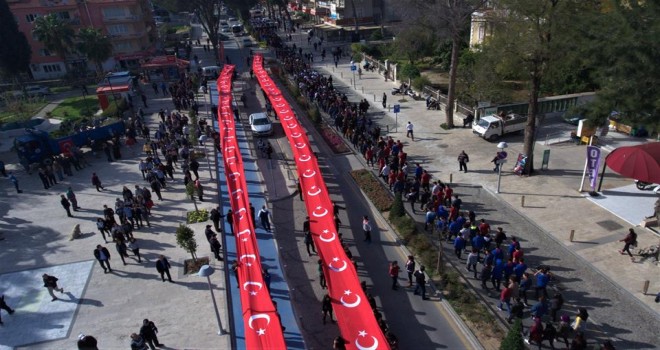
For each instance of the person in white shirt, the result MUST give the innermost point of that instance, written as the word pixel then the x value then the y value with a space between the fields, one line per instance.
pixel 409 131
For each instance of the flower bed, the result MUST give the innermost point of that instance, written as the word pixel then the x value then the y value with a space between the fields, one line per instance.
pixel 333 140
pixel 379 196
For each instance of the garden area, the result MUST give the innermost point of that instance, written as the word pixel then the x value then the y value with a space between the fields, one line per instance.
pixel 17 110
pixel 76 108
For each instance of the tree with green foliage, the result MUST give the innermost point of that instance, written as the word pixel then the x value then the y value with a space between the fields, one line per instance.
pixel 514 339
pixel 397 210
pixel 409 71
pixel 210 21
pixel 413 43
pixel 15 52
pixel 185 238
pixel 447 20
pixel 529 41
pixel 625 46
pixel 56 35
pixel 190 191
pixel 477 81
pixel 95 45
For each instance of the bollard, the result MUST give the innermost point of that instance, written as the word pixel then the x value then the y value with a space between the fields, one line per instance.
pixel 341 74
pixel 572 235
pixel 333 69
pixel 388 128
pixel 374 97
pixel 363 89
pixel 451 177
pixel 646 287
pixel 522 201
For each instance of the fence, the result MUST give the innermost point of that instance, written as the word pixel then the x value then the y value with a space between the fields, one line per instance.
pixel 436 94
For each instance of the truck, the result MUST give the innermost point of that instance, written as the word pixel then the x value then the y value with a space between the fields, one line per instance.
pixel 494 126
pixel 35 146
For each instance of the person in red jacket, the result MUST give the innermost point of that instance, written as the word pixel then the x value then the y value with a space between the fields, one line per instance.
pixel 631 239
pixel 394 273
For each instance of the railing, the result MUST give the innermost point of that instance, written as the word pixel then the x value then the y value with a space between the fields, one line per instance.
pixel 122 18
pixel 442 99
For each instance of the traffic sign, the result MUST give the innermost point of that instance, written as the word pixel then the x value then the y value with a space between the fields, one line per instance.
pixel 397 108
pixel 353 68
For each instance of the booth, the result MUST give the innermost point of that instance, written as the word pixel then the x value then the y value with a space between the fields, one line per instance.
pixel 168 67
pixel 106 94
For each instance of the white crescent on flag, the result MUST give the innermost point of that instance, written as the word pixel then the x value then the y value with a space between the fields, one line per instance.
pixel 256 317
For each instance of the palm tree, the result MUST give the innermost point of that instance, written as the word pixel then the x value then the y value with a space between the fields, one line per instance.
pixel 56 35
pixel 96 46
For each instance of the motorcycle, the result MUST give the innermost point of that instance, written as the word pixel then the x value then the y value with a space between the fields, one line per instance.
pixel 369 67
pixel 403 90
pixel 433 104
pixel 643 186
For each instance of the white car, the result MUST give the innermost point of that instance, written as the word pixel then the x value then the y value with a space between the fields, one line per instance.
pixel 260 124
pixel 33 91
pixel 247 42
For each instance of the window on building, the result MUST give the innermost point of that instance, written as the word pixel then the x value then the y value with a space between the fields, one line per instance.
pixel 113 12
pixel 64 15
pixel 31 17
pixel 117 29
pixel 45 52
pixel 51 68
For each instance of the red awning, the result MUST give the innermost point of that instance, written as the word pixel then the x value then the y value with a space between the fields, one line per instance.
pixel 165 61
pixel 115 88
pixel 640 162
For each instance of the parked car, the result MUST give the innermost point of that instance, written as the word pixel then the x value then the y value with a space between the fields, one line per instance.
pixel 247 42
pixel 260 124
pixel 33 91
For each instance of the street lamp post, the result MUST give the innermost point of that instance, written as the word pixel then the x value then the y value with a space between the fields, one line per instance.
pixel 501 159
pixel 207 271
pixel 112 92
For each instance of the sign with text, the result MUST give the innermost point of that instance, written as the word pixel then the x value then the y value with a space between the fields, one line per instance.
pixel 397 108
pixel 593 162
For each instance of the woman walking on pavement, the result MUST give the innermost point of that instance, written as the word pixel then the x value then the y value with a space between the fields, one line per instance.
pixel 631 239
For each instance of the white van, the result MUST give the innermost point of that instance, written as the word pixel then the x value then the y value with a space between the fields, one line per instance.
pixel 211 72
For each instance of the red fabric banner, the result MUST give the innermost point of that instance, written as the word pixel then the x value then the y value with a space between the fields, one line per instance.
pixel 355 318
pixel 262 323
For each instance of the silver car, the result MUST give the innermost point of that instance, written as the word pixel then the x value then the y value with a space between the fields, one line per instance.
pixel 260 124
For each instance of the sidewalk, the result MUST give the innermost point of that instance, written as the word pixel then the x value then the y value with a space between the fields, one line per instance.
pixel 602 280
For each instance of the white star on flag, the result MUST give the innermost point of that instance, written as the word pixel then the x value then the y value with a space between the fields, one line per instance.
pixel 347 292
pixel 335 259
pixel 261 331
pixel 362 333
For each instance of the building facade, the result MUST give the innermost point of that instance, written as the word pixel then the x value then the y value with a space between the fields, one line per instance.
pixel 128 23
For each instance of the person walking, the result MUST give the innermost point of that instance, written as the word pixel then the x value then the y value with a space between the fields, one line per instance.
pixel 463 159
pixel 14 181
pixel 163 267
pixel 410 269
pixel 394 273
pixel 215 217
pixel 580 323
pixel 102 254
pixel 420 279
pixel 71 196
pixel 66 205
pixel 384 100
pixel 149 332
pixel 50 282
pixel 122 250
pixel 215 247
pixel 135 248
pixel 230 221
pixel 4 306
pixel 309 243
pixel 326 308
pixel 96 182
pixel 409 131
pixel 629 240
pixel 155 187
pixel 265 217
pixel 366 228
pixel 556 302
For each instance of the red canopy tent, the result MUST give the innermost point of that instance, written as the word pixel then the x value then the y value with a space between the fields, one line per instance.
pixel 640 162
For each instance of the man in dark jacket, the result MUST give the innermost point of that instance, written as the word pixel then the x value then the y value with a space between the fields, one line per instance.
pixel 215 217
pixel 148 332
pixel 5 307
pixel 102 254
pixel 163 267
pixel 66 205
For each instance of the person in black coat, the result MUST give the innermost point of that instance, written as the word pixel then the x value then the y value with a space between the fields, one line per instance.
pixel 5 307
pixel 102 254
pixel 66 205
pixel 163 267
pixel 148 332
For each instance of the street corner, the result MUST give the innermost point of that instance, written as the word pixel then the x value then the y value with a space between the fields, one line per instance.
pixel 37 318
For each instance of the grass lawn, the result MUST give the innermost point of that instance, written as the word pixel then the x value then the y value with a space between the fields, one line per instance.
pixel 74 108
pixel 21 111
pixel 67 88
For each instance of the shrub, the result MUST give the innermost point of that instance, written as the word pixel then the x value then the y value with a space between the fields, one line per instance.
pixel 376 35
pixel 314 114
pixel 357 57
pixel 358 47
pixel 514 339
pixel 397 207
pixel 444 126
pixel 197 216
pixel 409 71
pixel 185 238
pixel 419 83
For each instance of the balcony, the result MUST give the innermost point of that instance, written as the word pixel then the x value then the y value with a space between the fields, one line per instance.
pixel 128 35
pixel 124 18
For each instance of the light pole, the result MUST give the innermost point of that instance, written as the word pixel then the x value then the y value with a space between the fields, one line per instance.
pixel 501 159
pixel 207 271
pixel 112 92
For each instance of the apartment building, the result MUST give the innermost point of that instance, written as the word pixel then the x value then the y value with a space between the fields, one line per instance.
pixel 128 23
